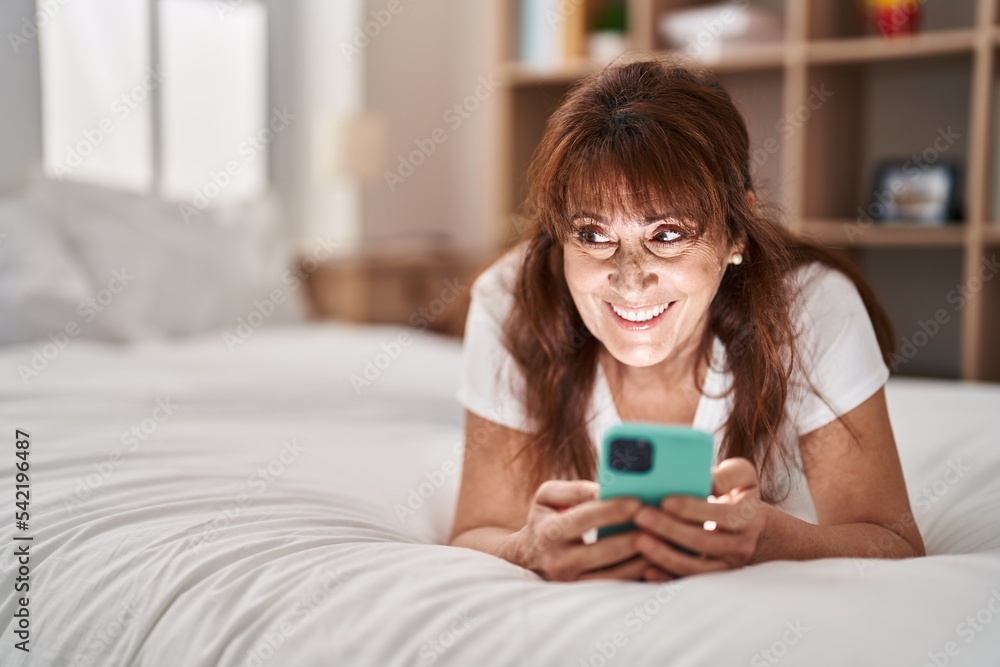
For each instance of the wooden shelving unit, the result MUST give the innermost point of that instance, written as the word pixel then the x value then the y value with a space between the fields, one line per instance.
pixel 890 98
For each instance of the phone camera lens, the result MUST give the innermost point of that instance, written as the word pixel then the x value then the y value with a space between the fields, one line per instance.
pixel 631 455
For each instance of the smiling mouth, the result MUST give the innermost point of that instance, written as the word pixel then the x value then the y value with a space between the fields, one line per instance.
pixel 639 315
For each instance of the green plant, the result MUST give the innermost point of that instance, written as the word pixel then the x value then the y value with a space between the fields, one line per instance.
pixel 613 17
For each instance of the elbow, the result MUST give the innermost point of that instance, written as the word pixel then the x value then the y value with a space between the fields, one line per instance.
pixel 917 545
pixel 909 542
pixel 890 541
pixel 463 536
pixel 913 540
pixel 454 537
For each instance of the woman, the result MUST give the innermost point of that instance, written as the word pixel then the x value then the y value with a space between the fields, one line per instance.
pixel 650 287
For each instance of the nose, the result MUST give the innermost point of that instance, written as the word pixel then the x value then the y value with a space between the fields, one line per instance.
pixel 632 278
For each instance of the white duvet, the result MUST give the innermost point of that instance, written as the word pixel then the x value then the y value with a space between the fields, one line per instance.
pixel 193 507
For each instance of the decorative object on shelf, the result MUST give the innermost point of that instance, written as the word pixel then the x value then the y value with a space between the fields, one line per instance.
pixel 552 32
pixel 893 17
pixel 608 37
pixel 702 32
pixel 916 193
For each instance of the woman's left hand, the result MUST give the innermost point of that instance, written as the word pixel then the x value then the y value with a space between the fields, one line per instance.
pixel 724 529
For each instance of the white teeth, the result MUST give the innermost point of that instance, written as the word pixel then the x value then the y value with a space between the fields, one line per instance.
pixel 640 315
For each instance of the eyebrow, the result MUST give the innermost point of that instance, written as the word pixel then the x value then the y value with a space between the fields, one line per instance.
pixel 649 219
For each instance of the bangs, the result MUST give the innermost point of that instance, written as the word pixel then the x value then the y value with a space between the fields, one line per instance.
pixel 642 177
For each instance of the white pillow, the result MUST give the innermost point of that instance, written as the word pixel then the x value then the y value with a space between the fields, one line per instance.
pixel 153 273
pixel 41 283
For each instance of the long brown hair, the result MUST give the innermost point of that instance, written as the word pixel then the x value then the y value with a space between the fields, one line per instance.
pixel 628 135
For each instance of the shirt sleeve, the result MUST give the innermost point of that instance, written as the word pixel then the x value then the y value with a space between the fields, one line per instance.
pixel 838 350
pixel 491 383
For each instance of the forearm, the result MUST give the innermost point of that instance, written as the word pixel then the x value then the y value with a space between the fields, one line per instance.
pixel 788 538
pixel 501 542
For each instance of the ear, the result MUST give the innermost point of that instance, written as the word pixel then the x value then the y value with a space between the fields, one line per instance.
pixel 751 199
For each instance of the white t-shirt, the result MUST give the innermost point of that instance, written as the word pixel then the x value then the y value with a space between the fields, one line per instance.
pixel 837 347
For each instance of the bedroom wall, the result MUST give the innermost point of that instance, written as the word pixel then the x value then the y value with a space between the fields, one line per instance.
pixel 429 57
pixel 20 96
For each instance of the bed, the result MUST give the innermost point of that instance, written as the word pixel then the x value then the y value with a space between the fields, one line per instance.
pixel 195 505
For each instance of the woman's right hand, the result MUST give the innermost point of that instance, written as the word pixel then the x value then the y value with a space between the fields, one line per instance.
pixel 551 542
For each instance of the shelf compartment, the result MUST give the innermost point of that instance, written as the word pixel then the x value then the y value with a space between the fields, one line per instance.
pixel 918 287
pixel 831 19
pixel 992 176
pixel 870 117
pixel 758 96
pixel 991 234
pixel 852 232
pixel 713 27
pixel 987 367
pixel 529 109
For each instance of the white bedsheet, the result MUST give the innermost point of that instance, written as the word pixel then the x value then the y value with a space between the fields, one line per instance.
pixel 264 511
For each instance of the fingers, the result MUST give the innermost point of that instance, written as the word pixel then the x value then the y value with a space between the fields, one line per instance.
pixel 597 514
pixel 559 493
pixel 714 543
pixel 673 561
pixel 656 574
pixel 568 562
pixel 606 552
pixel 730 513
pixel 698 511
pixel 734 473
pixel 557 532
pixel 564 510
pixel 630 570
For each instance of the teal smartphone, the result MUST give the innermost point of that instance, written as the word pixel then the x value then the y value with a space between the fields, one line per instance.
pixel 652 461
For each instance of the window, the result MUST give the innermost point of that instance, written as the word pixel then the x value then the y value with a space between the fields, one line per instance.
pixel 165 96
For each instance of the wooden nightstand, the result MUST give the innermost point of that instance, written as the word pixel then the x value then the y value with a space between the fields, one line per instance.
pixel 425 289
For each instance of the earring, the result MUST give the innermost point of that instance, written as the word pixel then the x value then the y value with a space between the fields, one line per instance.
pixel 737 259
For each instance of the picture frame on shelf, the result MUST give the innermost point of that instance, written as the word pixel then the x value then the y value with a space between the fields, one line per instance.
pixel 916 193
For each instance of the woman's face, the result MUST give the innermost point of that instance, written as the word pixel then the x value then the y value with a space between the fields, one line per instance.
pixel 643 286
